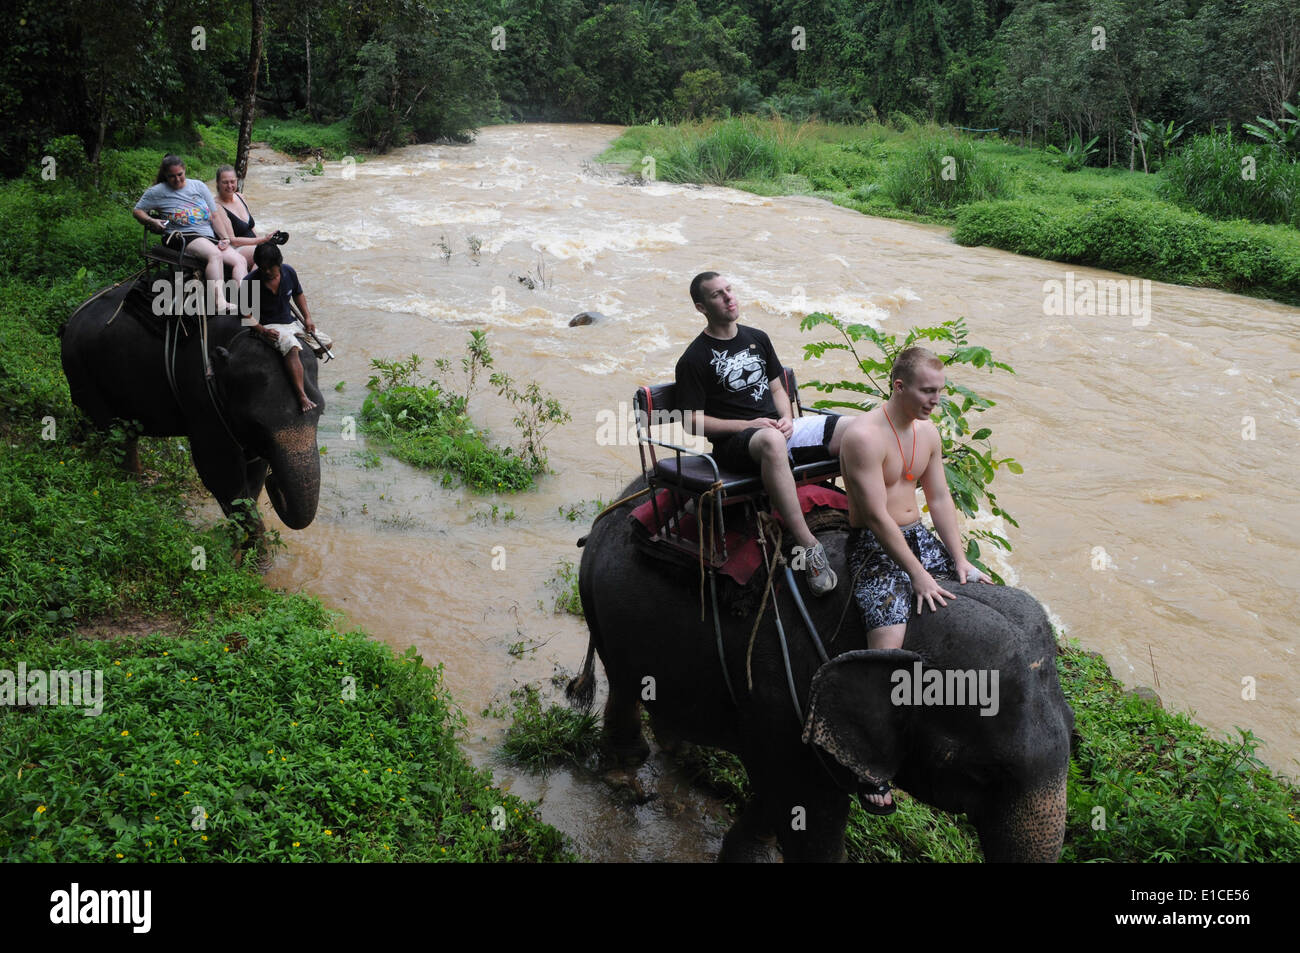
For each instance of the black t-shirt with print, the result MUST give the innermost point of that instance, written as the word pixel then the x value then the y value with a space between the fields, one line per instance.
pixel 729 379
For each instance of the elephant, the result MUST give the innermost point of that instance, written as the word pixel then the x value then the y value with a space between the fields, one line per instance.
pixel 1004 766
pixel 244 425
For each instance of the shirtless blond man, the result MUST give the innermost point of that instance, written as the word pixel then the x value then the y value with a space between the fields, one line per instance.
pixel 892 556
pixel 884 455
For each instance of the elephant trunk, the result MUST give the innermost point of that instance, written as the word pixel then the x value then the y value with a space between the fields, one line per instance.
pixel 293 485
pixel 1026 827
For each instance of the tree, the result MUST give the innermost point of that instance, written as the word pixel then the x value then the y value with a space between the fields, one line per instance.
pixel 250 90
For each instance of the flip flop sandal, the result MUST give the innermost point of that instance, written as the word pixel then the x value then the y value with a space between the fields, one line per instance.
pixel 279 238
pixel 880 810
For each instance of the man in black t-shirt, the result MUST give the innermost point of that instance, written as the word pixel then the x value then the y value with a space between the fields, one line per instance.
pixel 729 382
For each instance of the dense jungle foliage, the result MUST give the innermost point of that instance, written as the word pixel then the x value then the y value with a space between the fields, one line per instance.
pixel 1134 74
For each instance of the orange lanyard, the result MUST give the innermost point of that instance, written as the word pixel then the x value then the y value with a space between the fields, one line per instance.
pixel 900 444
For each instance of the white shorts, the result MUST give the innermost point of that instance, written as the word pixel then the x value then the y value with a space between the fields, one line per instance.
pixel 808 432
pixel 294 335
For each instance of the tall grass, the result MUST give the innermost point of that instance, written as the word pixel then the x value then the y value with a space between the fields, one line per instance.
pixel 1234 178
pixel 942 172
pixel 725 151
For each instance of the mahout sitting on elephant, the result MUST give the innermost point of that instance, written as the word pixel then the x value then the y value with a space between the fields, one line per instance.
pixel 866 716
pixel 210 380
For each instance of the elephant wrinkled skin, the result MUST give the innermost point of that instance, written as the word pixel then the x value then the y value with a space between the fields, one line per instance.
pixel 1006 769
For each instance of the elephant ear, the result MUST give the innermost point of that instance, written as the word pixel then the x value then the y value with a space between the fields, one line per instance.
pixel 850 713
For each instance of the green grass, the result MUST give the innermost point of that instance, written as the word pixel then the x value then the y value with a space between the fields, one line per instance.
pixel 1227 178
pixel 565 585
pixel 540 737
pixel 300 138
pixel 1005 196
pixel 268 737
pixel 1152 785
pixel 428 428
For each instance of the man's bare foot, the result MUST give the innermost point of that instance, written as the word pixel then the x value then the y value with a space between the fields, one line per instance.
pixel 306 403
pixel 877 800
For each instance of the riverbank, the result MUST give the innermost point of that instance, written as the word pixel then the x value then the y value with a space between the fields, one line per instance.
pixel 989 191
pixel 237 722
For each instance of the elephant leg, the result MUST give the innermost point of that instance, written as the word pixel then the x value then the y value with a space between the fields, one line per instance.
pixel 800 805
pixel 131 456
pixel 750 840
pixel 811 824
pixel 1025 827
pixel 254 480
pixel 227 479
pixel 623 735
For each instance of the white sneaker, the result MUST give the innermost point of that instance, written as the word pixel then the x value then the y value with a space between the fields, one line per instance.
pixel 821 577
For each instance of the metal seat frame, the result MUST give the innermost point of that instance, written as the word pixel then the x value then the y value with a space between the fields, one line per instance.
pixel 665 471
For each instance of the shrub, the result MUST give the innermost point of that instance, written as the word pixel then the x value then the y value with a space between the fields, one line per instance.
pixel 731 150
pixel 941 172
pixel 1147 239
pixel 699 93
pixel 1232 178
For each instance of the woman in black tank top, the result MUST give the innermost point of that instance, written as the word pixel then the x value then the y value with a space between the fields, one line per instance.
pixel 236 209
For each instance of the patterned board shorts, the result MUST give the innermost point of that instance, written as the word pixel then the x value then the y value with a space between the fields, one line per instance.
pixel 884 590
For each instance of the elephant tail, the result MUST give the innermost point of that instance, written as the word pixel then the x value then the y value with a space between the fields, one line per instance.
pixel 581 691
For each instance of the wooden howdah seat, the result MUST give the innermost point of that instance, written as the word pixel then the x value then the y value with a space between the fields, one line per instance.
pixel 680 481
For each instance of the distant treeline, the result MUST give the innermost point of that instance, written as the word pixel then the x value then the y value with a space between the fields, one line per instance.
pixel 418 70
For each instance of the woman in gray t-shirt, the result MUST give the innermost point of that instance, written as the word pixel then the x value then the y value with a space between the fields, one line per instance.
pixel 187 208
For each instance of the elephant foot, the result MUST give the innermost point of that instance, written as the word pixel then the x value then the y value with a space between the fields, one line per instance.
pixel 627 786
pixel 744 844
pixel 750 840
pixel 628 756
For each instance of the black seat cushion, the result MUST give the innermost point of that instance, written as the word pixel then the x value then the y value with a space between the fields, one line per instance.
pixel 696 474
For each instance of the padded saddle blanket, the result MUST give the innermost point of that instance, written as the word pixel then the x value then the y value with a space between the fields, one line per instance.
pixel 744 553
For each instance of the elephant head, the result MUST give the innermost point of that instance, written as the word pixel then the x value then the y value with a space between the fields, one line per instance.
pixel 258 399
pixel 970 719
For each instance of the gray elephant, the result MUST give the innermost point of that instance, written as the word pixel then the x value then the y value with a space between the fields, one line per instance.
pixel 243 423
pixel 998 755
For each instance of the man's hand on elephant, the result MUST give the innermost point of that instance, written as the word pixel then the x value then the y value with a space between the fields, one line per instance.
pixel 928 591
pixel 271 334
pixel 968 573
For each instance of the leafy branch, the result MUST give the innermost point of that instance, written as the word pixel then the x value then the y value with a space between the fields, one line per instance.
pixel 969 460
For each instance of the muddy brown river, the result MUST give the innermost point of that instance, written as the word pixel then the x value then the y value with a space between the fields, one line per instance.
pixel 1158 518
